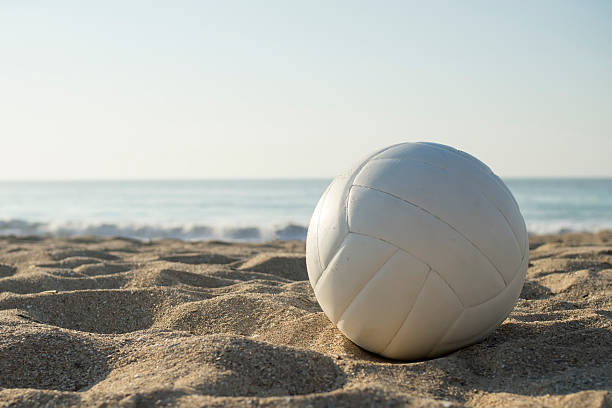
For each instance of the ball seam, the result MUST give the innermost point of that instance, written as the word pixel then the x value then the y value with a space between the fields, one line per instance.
pixel 349 182
pixel 473 339
pixel 419 259
pixel 514 233
pixel 424 262
pixel 409 311
pixel 366 283
pixel 444 222
pixel 489 173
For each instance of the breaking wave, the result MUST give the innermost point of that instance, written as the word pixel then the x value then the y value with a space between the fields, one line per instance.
pixel 196 232
pixel 151 231
pixel 560 227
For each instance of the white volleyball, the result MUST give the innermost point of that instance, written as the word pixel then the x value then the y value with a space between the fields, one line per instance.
pixel 417 251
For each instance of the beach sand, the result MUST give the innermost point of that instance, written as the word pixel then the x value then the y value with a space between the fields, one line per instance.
pixel 117 322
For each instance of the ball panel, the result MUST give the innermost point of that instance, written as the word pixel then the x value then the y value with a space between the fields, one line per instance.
pixel 477 322
pixel 331 221
pixel 435 309
pixel 472 160
pixel 417 152
pixel 468 272
pixel 481 318
pixel 517 218
pixel 517 222
pixel 356 261
pixel 454 201
pixel 479 175
pixel 332 226
pixel 375 315
pixel 313 260
pixel 466 156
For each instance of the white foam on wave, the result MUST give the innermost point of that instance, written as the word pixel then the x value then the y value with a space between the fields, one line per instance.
pixel 190 232
pixel 196 232
pixel 565 226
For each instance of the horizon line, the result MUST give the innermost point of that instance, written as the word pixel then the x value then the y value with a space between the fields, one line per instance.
pixel 60 180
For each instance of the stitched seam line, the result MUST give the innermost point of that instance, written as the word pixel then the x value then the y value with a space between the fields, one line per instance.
pixel 411 254
pixel 316 285
pixel 421 260
pixel 409 311
pixel 448 330
pixel 349 181
pixel 446 223
pixel 514 234
pixel 356 173
pixel 488 171
pixel 367 283
pixel 468 341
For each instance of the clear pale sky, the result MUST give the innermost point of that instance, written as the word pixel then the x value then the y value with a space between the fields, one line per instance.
pixel 220 89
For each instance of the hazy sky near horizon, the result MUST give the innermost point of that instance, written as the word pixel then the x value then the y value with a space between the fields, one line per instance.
pixel 208 89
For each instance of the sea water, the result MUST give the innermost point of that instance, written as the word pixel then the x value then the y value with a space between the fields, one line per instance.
pixel 251 210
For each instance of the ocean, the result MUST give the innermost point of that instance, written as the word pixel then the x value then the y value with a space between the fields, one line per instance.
pixel 248 210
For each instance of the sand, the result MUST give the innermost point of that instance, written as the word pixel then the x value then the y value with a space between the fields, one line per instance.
pixel 117 322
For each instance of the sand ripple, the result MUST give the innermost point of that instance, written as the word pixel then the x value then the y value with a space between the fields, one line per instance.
pixel 117 322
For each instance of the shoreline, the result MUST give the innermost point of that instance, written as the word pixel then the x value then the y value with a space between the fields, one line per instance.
pixel 289 232
pixel 117 321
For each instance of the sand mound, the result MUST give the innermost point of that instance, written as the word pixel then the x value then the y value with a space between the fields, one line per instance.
pixel 98 311
pixel 223 366
pixel 28 358
pixel 41 281
pixel 116 322
pixel 243 314
pixel 6 270
pixel 172 277
pixel 197 259
pixel 60 255
pixel 102 269
pixel 289 266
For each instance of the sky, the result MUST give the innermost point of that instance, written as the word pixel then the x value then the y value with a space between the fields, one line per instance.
pixel 288 89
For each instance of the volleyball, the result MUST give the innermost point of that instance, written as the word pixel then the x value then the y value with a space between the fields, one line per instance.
pixel 417 251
